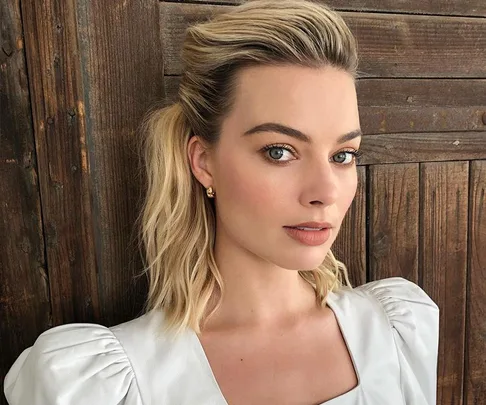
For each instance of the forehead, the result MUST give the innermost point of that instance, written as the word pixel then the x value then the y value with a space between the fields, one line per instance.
pixel 311 99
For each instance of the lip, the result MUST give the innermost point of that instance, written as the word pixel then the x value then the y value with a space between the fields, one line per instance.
pixel 310 238
pixel 311 225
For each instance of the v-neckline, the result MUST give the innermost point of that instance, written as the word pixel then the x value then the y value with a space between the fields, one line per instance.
pixel 332 304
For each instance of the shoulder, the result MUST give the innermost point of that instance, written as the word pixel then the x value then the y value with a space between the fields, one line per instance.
pixel 407 306
pixel 412 317
pixel 402 301
pixel 80 364
pixel 408 309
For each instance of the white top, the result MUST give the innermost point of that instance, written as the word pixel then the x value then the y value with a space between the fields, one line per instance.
pixel 390 327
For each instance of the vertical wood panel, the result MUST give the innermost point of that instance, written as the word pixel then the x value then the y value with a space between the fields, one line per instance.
pixel 394 220
pixel 475 378
pixel 60 133
pixel 24 294
pixel 443 264
pixel 122 68
pixel 350 244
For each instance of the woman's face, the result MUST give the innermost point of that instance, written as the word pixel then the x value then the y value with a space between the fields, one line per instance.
pixel 311 177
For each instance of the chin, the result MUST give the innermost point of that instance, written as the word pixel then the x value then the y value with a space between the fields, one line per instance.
pixel 304 260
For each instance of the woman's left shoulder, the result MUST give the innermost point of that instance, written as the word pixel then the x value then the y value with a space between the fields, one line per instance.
pixel 413 319
pixel 405 303
pixel 398 291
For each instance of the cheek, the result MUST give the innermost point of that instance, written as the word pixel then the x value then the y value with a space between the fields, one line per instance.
pixel 246 191
pixel 250 189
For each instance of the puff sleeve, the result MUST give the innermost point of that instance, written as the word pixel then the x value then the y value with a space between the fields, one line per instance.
pixel 74 364
pixel 414 320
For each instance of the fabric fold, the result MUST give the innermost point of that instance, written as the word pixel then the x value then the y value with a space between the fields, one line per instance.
pixel 75 364
pixel 414 319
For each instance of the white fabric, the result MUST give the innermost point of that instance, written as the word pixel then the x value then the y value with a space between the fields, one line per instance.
pixel 390 327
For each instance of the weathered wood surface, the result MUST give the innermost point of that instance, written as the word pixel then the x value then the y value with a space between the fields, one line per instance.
pixel 394 221
pixel 350 244
pixel 85 134
pixel 475 372
pixel 390 45
pixel 60 133
pixel 443 265
pixel 122 67
pixel 426 105
pixel 24 294
pixel 423 147
pixel 439 7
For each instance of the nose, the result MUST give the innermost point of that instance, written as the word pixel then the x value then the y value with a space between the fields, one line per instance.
pixel 321 184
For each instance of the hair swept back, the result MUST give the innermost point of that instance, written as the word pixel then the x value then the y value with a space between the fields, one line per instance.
pixel 177 221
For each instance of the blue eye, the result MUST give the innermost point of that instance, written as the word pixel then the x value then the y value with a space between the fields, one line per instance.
pixel 355 156
pixel 274 152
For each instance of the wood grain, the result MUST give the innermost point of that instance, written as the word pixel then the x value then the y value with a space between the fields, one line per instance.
pixel 394 221
pixel 475 378
pixel 440 7
pixel 443 265
pixel 421 93
pixel 427 105
pixel 350 244
pixel 24 292
pixel 390 45
pixel 122 65
pixel 423 147
pixel 408 105
pixel 60 132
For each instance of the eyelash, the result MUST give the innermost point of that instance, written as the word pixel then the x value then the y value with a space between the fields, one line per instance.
pixel 357 154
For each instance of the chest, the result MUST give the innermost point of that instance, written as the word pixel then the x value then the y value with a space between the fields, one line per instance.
pixel 305 368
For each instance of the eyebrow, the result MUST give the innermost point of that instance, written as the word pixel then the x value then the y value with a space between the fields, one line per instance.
pixel 295 133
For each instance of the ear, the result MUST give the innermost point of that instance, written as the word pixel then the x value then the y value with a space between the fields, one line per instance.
pixel 200 161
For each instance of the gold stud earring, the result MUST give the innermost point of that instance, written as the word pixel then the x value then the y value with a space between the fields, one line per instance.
pixel 210 192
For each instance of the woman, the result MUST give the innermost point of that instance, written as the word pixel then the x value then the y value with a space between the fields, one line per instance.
pixel 250 175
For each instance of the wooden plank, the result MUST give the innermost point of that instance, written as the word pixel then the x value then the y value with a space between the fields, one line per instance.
pixel 60 132
pixel 350 244
pixel 440 7
pixel 475 378
pixel 390 45
pixel 390 119
pixel 394 221
pixel 443 265
pixel 428 105
pixel 422 92
pixel 429 147
pixel 409 105
pixel 24 293
pixel 123 67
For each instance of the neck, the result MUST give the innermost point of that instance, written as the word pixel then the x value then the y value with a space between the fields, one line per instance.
pixel 258 293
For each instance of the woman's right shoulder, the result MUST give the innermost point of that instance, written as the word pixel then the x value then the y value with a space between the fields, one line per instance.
pixel 83 363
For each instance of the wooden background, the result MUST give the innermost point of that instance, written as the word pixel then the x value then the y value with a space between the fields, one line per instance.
pixel 76 77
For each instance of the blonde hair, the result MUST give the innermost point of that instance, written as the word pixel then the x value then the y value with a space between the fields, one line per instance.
pixel 178 220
